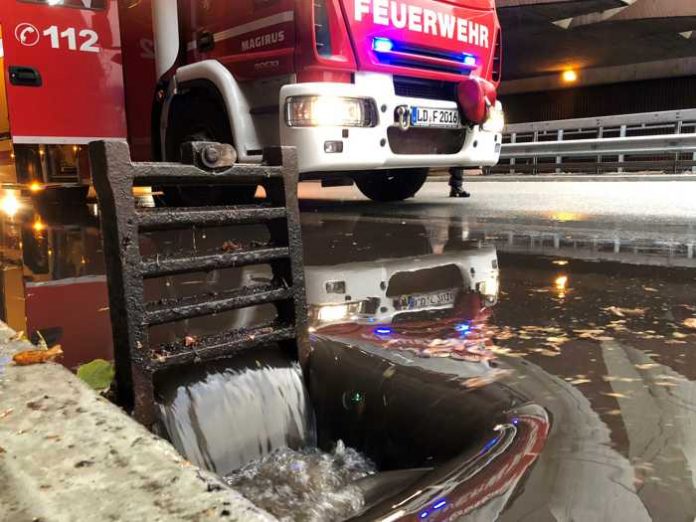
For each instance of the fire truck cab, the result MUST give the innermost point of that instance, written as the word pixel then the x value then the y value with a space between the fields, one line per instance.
pixel 371 91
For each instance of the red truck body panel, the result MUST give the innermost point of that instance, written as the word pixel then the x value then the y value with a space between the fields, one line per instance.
pixel 83 48
pixel 430 39
pixel 76 50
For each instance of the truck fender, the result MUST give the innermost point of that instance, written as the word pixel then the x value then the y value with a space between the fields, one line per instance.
pixel 213 75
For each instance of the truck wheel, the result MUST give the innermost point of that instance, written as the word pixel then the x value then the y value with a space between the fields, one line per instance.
pixel 199 117
pixel 391 185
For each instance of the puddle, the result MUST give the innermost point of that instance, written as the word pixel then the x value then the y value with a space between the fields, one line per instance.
pixel 432 332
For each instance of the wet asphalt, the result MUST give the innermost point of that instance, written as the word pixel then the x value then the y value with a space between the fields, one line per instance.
pixel 594 325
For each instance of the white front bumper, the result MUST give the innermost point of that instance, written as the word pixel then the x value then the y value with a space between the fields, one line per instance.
pixel 368 148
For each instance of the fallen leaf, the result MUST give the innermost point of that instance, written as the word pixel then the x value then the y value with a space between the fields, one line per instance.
pixel 189 341
pixel 231 246
pixel 616 395
pixel 98 374
pixel 580 381
pixel 6 413
pixel 42 342
pixel 19 336
pixel 679 335
pixel 650 289
pixel 28 357
pixel 690 323
pixel 646 366
pixel 547 353
pixel 623 312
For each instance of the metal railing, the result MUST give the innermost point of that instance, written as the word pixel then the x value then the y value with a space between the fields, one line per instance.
pixel 659 141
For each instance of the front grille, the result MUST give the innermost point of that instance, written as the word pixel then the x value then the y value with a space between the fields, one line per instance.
pixel 426 141
pixel 425 281
pixel 428 89
pixel 404 54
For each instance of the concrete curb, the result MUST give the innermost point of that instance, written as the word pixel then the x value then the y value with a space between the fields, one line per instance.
pixel 67 454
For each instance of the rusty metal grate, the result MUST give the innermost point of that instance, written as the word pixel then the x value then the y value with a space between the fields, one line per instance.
pixel 137 361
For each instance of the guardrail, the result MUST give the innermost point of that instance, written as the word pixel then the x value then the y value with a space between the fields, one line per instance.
pixel 660 141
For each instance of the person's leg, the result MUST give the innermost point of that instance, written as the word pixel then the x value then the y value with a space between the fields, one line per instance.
pixel 456 183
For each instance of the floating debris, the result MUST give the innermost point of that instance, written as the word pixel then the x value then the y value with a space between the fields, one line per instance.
pixel 623 312
pixel 690 323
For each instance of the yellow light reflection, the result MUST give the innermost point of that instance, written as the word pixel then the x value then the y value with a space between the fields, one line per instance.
pixel 566 216
pixel 35 186
pixel 10 204
pixel 560 262
pixel 569 76
pixel 561 284
pixel 38 226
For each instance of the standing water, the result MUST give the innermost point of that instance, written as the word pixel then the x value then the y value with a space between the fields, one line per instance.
pixel 253 424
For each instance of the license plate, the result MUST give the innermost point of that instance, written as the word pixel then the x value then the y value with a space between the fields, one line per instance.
pixel 432 117
pixel 438 299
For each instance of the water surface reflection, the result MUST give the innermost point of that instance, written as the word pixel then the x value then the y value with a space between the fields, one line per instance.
pixel 511 371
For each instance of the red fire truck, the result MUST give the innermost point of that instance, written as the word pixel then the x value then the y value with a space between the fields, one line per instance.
pixel 370 91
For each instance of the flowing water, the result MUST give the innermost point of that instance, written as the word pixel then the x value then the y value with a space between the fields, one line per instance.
pixel 308 485
pixel 225 417
pixel 253 424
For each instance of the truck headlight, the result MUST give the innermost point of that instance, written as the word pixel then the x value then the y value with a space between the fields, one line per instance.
pixel 496 119
pixel 334 313
pixel 330 111
pixel 489 289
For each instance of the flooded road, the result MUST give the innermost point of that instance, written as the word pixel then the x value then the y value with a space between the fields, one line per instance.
pixel 526 366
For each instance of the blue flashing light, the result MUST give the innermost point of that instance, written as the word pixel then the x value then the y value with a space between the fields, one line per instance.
pixel 489 445
pixel 382 45
pixel 462 327
pixel 440 504
pixel 424 514
pixel 383 331
pixel 515 421
pixel 469 60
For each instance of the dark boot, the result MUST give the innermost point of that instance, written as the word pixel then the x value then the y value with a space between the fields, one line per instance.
pixel 458 193
pixel 456 183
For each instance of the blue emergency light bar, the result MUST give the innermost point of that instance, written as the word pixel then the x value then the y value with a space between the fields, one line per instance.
pixel 382 45
pixel 470 60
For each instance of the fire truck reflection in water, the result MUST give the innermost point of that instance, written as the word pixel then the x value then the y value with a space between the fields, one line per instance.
pixel 53 284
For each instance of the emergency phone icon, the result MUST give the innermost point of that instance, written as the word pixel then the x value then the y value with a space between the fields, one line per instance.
pixel 27 34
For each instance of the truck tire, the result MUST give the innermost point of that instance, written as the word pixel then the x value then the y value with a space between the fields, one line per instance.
pixel 391 185
pixel 199 116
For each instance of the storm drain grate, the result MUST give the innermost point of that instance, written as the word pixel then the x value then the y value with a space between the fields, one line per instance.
pixel 137 361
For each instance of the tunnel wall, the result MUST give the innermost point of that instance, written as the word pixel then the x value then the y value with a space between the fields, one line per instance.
pixel 602 100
